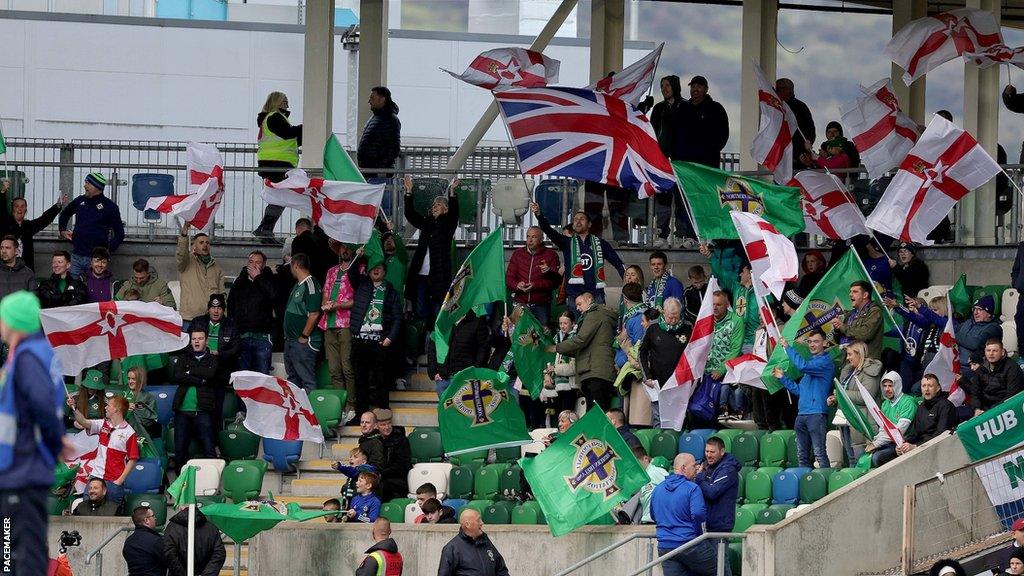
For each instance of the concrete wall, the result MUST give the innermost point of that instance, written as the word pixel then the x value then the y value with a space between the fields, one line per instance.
pixel 94 531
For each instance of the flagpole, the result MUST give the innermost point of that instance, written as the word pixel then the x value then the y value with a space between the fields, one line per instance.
pixel 191 561
pixel 887 311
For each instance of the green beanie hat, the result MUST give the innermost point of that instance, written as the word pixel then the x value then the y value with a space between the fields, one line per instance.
pixel 93 380
pixel 20 311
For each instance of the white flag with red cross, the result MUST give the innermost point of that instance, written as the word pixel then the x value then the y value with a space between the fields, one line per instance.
pixel 997 54
pixel 880 131
pixel 675 394
pixel 510 68
pixel 943 167
pixel 745 369
pixel 946 363
pixel 773 145
pixel 772 255
pixel 345 210
pixel 85 448
pixel 87 334
pixel 205 188
pixel 880 419
pixel 924 44
pixel 632 83
pixel 276 408
pixel 829 210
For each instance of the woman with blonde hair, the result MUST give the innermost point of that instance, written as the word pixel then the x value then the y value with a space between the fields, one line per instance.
pixel 142 412
pixel 279 143
pixel 867 371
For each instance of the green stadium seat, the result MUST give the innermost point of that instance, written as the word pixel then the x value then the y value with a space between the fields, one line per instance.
pixel 770 470
pixel 746 449
pixel 479 505
pixel 470 201
pixel 646 436
pixel 425 446
pixel 323 374
pixel 510 486
pixel 841 478
pixel 242 480
pixel 814 485
pixel 424 190
pixel 238 444
pixel 665 443
pixel 230 408
pixel 327 409
pixel 754 508
pixel 773 514
pixel 745 518
pixel 758 488
pixel 792 457
pixel 487 481
pixel 498 513
pixel 155 502
pixel 507 455
pixel 393 511
pixel 864 462
pixel 757 433
pixel 732 433
pixel 773 450
pixel 340 393
pixel 460 482
pixel 527 513
pixel 735 553
pixel 479 456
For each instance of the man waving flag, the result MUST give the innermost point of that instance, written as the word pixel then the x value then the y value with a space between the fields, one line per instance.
pixel 674 396
pixel 205 188
pixel 345 210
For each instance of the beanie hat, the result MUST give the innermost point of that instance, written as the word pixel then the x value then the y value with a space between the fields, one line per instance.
pixel 792 298
pixel 986 303
pixel 93 380
pixel 20 312
pixel 96 179
pixel 908 247
pixel 216 300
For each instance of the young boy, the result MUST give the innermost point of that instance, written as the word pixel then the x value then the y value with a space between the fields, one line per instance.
pixel 332 505
pixel 365 507
pixel 434 513
pixel 356 463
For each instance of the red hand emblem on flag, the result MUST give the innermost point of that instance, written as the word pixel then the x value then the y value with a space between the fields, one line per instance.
pixel 283 398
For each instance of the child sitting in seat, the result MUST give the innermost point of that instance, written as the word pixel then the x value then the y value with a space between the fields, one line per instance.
pixel 365 507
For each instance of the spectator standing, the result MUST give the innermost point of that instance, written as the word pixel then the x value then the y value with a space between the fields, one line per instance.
pixel 863 322
pixel 376 325
pixel 562 373
pixel 397 456
pixel 97 223
pixel 832 156
pixel 719 479
pixel 208 551
pixel 143 549
pixel 726 342
pixel 591 346
pixel 312 241
pixel 666 121
pixel 118 448
pixel 693 294
pixel 99 280
pixel 1016 281
pixel 382 559
pixel 594 196
pixel 31 431
pixel 370 440
pixel 223 341
pixel 471 551
pixel 14 274
pixel 805 122
pixel 662 285
pixel 25 230
pixel 813 267
pixel 814 390
pixel 532 275
pixel 678 510
pixel 200 275
pixel 365 506
pixel 430 271
pixel 973 333
pixel 910 271
pixel 993 380
pixel 381 140
pixel 61 288
pixel 618 419
pixel 251 305
pixel 357 463
pixel 145 281
pixel 703 127
pixel 934 415
pixel 662 345
pixel 338 298
pixel 642 500
pixel 278 147
pixel 467 346
pixel 195 401
pixel 926 326
pixel 899 408
pixel 584 255
pixel 1017 544
pixel 96 502
pixel 744 300
pixel 867 371
pixel 303 340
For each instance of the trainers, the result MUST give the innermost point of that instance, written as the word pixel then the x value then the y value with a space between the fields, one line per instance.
pixel 662 243
pixel 400 384
pixel 690 244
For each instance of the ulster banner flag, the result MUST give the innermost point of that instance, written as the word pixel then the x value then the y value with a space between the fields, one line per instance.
pixel 829 210
pixel 998 54
pixel 345 210
pixel 882 133
pixel 674 396
pixel 276 408
pixel 773 145
pixel 510 68
pixel 925 43
pixel 631 84
pixel 88 334
pixel 205 188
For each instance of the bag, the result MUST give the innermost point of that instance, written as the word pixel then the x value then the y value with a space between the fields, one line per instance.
pixel 704 401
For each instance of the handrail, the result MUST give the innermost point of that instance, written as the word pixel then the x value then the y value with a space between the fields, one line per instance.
pixel 98 552
pixel 602 552
pixel 720 536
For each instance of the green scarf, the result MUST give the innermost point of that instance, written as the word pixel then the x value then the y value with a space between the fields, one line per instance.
pixel 372 322
pixel 576 266
pixel 657 297
pixel 204 260
pixel 669 327
pixel 633 311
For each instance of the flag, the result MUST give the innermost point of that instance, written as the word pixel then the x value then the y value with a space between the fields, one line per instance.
pixel 583 474
pixel 772 256
pixel 924 44
pixel 3 142
pixel 374 252
pixel 713 193
pixel 996 54
pixel 183 490
pixel 503 68
pixel 479 411
pixel 633 83
pixel 745 369
pixel 583 134
pixel 345 210
pixel 828 209
pixel 674 396
pixel 204 188
pixel 276 408
pixel 84 450
pixel 87 334
pixel 529 352
pixel 854 417
pixel 881 132
pixel 829 299
pixel 946 362
pixel 960 297
pixel 480 280
pixel 881 421
pixel 993 442
pixel 338 165
pixel 943 167
pixel 772 147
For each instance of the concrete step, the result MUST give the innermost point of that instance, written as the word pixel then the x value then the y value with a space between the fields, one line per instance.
pixel 321 487
pixel 308 466
pixel 341 450
pixel 415 416
pixel 414 396
pixel 306 502
pixel 419 381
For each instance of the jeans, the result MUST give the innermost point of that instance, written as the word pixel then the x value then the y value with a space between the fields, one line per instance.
pixel 810 439
pixel 542 312
pixel 26 509
pixel 733 398
pixel 851 455
pixel 115 493
pixel 80 265
pixel 256 354
pixel 441 385
pixel 701 560
pixel 882 455
pixel 338 349
pixel 187 423
pixel 300 364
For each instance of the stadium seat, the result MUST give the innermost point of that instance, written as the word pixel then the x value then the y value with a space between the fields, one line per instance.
pixel 498 513
pixel 474 459
pixel 424 190
pixel 510 199
pixel 340 393
pixel 746 449
pixel 666 444
pixel 164 396
pixel 507 455
pixel 327 408
pixel 758 488
pixel 773 514
pixel 754 508
pixel 1010 337
pixel 146 186
pixel 841 478
pixel 773 450
pixel 425 446
pixel 393 511
pixel 238 444
pixel 479 505
pixel 156 502
pixel 487 481
pixel 1009 305
pixel 792 454
pixel 693 443
pixel 645 436
pixel 735 553
pixel 229 410
pixel 510 487
pixel 834 448
pixel 472 194
pixel 745 518
pixel 146 477
pixel 814 485
pixel 551 193
pixel 243 480
pixel 460 482
pixel 528 513
pixel 457 504
pixel 282 454
pixel 933 292
pixel 412 512
pixel 786 486
pixel 208 471
pixel 435 473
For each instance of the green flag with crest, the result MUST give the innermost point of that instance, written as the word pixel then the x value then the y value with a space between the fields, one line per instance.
pixel 529 352
pixel 479 411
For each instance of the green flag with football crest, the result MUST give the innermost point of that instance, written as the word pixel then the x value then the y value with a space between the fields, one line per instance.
pixel 583 474
pixel 530 342
pixel 478 411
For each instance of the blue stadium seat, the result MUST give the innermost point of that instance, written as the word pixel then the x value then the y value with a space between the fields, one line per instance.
pixel 457 504
pixel 282 454
pixel 550 193
pixel 693 443
pixel 146 186
pixel 145 478
pixel 164 395
pixel 786 486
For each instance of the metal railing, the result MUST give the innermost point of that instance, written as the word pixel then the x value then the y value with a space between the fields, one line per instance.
pixel 607 550
pixel 97 553
pixel 722 543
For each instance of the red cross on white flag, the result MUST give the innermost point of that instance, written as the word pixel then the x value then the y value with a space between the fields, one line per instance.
pixel 276 408
pixel 503 68
pixel 632 83
pixel 829 210
pixel 925 43
pixel 345 210
pixel 205 188
pixel 88 334
pixel 997 54
pixel 943 167
pixel 882 133
pixel 946 363
pixel 674 396
pixel 773 145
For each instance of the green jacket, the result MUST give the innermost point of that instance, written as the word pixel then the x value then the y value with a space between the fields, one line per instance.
pixel 591 345
pixel 152 290
pixel 726 344
pixel 867 327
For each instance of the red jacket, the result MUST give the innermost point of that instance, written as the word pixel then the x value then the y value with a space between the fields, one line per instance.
pixel 527 268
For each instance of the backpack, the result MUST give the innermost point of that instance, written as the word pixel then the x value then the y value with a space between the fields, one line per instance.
pixel 704 401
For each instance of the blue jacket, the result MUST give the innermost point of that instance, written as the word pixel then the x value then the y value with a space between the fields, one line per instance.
pixel 34 378
pixel 678 509
pixel 635 329
pixel 815 384
pixel 673 289
pixel 720 486
pixel 971 337
pixel 367 507
pixel 97 223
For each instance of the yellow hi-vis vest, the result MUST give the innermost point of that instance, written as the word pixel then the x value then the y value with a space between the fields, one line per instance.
pixel 273 147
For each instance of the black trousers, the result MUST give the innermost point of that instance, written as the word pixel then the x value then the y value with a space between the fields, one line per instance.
pixel 24 511
pixel 597 391
pixel 371 363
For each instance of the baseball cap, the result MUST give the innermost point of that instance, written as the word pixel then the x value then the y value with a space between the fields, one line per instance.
pixel 699 80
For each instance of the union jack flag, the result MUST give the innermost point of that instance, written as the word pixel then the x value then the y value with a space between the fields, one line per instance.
pixel 583 134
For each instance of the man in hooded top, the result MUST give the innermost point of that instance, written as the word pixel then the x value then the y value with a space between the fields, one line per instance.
pixel 899 408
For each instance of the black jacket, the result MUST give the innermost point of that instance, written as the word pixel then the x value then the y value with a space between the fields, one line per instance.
pixel 660 351
pixel 209 550
pixel 467 346
pixel 251 302
pixel 436 235
pixel 463 556
pixel 372 445
pixel 144 552
pixel 17 277
pixel 50 295
pixel 627 434
pixel 703 132
pixel 187 370
pixel 933 417
pixel 391 317
pixel 369 564
pixel 313 244
pixel 913 277
pixel 805 123
pixel 25 231
pixel 229 344
pixel 693 295
pixel 381 140
pixel 397 463
pixel 992 384
pixel 663 121
pixel 1014 102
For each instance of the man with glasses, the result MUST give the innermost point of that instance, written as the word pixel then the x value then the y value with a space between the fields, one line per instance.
pixel 144 548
